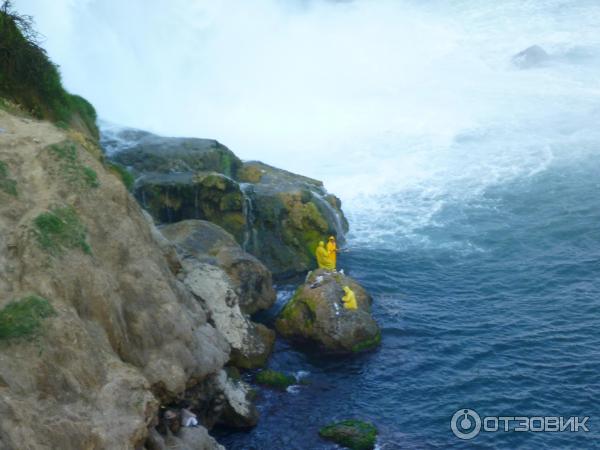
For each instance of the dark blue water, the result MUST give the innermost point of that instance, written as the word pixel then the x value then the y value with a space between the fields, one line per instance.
pixel 506 324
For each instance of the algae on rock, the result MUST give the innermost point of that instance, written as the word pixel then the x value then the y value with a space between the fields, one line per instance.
pixel 274 379
pixel 316 314
pixel 353 434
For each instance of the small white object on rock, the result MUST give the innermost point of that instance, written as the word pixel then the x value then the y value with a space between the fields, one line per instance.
pixel 188 418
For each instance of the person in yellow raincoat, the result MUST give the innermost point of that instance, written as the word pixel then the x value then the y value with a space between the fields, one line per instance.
pixel 349 299
pixel 332 250
pixel 323 260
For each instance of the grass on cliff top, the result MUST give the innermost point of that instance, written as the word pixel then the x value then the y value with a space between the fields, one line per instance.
pixel 61 229
pixel 29 78
pixel 23 318
pixel 73 171
pixel 7 185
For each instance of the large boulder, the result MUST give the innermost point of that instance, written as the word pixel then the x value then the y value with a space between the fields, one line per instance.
pixel 276 215
pixel 209 243
pixel 144 152
pixel 316 313
pixel 289 215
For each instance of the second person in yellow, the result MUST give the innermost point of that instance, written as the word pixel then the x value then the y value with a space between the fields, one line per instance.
pixel 332 250
pixel 323 259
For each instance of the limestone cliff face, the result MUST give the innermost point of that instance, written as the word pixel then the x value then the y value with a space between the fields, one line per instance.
pixel 125 335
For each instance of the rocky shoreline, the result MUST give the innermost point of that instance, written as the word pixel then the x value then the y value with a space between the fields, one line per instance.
pixel 152 319
pixel 130 269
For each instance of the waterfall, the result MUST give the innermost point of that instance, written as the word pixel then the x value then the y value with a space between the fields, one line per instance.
pixel 248 211
pixel 332 215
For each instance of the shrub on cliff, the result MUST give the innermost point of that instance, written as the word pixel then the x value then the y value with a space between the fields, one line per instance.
pixel 29 78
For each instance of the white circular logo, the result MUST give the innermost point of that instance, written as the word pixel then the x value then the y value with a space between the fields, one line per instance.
pixel 465 424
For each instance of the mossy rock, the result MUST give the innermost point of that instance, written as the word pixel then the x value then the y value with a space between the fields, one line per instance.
pixel 316 314
pixel 149 153
pixel 353 434
pixel 274 379
pixel 23 318
pixel 250 174
pixel 171 198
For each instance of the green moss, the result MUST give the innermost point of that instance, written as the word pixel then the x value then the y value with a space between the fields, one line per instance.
pixel 7 184
pixel 298 316
pixel 353 434
pixel 368 344
pixel 23 318
pixel 250 174
pixel 90 177
pixel 72 170
pixel 29 78
pixel 126 177
pixel 274 379
pixel 60 229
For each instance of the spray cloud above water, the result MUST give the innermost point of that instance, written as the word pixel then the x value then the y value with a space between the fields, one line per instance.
pixel 417 100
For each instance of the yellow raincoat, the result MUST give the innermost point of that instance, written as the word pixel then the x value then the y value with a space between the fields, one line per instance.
pixel 349 299
pixel 332 250
pixel 323 260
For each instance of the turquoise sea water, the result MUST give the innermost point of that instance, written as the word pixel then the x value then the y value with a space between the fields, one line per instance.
pixel 507 324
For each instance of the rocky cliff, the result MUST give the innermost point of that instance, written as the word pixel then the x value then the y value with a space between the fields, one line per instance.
pixel 96 331
pixel 276 215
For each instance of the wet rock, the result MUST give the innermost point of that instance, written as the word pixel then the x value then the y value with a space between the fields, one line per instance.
pixel 353 434
pixel 290 215
pixel 202 195
pixel 316 313
pixel 533 56
pixel 145 152
pixel 239 410
pixel 277 216
pixel 274 379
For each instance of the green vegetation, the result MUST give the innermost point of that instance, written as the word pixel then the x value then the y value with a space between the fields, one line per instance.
pixel 6 184
pixel 354 434
pixel 274 379
pixel 29 78
pixel 23 318
pixel 368 344
pixel 90 176
pixel 73 171
pixel 59 229
pixel 126 176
